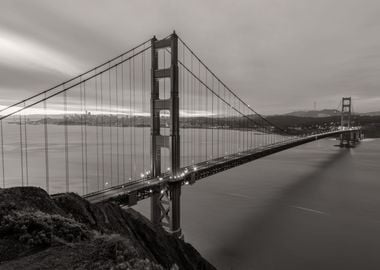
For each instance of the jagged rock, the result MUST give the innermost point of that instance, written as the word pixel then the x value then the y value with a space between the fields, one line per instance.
pixel 67 232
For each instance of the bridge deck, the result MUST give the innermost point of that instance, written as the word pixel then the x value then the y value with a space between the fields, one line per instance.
pixel 131 192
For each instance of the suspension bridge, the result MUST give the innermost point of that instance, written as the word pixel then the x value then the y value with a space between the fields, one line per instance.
pixel 141 125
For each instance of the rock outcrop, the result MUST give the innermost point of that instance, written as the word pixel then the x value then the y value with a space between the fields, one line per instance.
pixel 67 232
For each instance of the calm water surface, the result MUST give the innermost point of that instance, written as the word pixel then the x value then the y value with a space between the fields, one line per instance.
pixel 316 206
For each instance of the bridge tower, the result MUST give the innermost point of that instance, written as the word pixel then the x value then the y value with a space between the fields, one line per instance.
pixel 165 203
pixel 345 138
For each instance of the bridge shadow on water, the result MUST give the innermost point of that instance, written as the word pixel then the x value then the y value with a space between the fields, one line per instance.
pixel 295 231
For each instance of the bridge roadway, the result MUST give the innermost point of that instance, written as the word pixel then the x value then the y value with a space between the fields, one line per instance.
pixel 130 193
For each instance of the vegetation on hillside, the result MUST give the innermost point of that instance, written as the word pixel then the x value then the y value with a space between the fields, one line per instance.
pixel 67 232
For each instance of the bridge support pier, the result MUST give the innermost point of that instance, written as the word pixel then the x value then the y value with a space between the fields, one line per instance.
pixel 165 203
pixel 348 138
pixel 166 208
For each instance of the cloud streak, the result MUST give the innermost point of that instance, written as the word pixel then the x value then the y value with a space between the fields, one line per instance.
pixel 278 55
pixel 17 51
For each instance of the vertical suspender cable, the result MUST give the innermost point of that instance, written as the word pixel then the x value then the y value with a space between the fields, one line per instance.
pixel 218 121
pixel 239 126
pixel 97 132
pixel 206 92
pixel 212 117
pixel 85 135
pixel 183 101
pixel 250 128
pixel 250 135
pixel 199 118
pixel 142 108
pixel 110 123
pixel 2 152
pixel 234 134
pixel 46 147
pixel 134 115
pixel 82 135
pixel 102 130
pixel 237 123
pixel 188 107
pixel 123 115
pixel 117 126
pixel 192 110
pixel 130 120
pixel 188 152
pixel 26 151
pixel 21 150
pixel 243 127
pixel 225 119
pixel 229 123
pixel 66 140
pixel 246 130
pixel 183 93
pixel 222 123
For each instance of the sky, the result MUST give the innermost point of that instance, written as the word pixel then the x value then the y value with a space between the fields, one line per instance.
pixel 278 55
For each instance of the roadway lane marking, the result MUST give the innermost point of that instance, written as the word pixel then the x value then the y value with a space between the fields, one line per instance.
pixel 309 210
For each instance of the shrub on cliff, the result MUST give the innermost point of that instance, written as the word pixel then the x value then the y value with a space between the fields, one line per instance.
pixel 40 229
pixel 67 232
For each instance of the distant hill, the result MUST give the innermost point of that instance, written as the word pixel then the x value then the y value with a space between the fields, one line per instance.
pixel 326 113
pixel 315 113
pixel 371 113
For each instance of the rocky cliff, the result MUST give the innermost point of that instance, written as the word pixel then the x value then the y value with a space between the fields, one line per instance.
pixel 67 232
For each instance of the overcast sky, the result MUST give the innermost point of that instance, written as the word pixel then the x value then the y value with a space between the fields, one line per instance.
pixel 279 55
